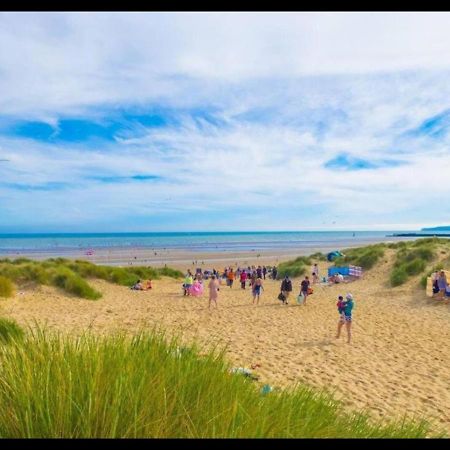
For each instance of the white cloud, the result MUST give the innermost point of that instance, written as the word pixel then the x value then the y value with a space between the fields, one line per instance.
pixel 289 92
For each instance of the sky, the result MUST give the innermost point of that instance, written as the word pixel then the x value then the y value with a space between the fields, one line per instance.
pixel 224 121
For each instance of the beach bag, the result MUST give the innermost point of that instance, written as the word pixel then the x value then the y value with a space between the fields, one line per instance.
pixel 310 291
pixel 281 297
pixel 300 299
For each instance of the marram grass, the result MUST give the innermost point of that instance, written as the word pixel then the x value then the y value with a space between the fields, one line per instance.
pixel 6 287
pixel 73 276
pixel 109 387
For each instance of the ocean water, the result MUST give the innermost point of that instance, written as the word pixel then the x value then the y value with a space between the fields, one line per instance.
pixel 194 241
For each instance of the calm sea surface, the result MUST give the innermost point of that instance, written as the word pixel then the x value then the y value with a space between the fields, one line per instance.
pixel 194 241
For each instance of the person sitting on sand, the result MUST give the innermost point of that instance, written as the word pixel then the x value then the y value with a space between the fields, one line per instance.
pixel 148 285
pixel 213 291
pixel 339 278
pixel 137 286
pixel 258 286
pixel 345 315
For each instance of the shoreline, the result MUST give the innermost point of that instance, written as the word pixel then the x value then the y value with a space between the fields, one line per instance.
pixel 177 257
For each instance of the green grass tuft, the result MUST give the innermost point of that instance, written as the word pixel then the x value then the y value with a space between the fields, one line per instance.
pixel 412 260
pixel 318 256
pixel 398 276
pixel 365 257
pixel 10 331
pixel 145 387
pixel 294 268
pixel 72 276
pixel 6 287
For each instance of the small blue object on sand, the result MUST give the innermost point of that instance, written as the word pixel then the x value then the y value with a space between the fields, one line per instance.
pixel 266 389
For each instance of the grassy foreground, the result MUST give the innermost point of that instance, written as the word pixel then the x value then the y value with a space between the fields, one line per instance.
pixel 72 276
pixel 145 386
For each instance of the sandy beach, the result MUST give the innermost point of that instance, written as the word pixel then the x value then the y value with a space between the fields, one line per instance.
pixel 395 365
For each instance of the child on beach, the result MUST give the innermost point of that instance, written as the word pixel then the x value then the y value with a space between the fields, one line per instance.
pixel 213 291
pixel 188 282
pixel 345 313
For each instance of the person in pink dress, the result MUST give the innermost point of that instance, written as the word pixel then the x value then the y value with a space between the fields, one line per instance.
pixel 213 291
pixel 197 289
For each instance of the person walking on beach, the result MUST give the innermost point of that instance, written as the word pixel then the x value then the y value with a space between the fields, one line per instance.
pixel 188 282
pixel 286 288
pixel 230 277
pixel 274 273
pixel 442 284
pixel 259 272
pixel 243 279
pixel 304 289
pixel 264 271
pixel 315 273
pixel 345 315
pixel 253 280
pixel 213 291
pixel 257 290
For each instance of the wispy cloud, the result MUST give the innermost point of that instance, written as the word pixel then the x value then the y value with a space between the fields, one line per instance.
pixel 275 121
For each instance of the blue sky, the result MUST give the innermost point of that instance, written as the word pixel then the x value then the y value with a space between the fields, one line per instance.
pixel 231 121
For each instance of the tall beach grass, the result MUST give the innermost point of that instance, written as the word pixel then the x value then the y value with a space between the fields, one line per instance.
pixel 73 276
pixel 147 386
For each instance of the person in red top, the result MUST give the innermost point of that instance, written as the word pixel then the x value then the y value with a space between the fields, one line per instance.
pixel 243 279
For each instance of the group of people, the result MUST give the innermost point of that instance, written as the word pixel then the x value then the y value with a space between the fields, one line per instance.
pixel 141 286
pixel 441 288
pixel 249 274
pixel 336 278
pixel 193 285
pixel 286 289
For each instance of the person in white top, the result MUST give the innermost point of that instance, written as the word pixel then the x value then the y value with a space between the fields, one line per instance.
pixel 339 278
pixel 315 273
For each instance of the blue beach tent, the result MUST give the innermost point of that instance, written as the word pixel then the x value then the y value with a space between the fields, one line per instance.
pixel 335 270
pixel 333 255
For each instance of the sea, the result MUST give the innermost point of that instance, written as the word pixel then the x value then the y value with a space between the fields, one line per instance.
pixel 205 242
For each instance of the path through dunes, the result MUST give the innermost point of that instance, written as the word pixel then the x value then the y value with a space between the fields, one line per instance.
pixel 396 364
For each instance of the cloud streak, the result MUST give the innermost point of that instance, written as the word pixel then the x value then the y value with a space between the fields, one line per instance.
pixel 223 121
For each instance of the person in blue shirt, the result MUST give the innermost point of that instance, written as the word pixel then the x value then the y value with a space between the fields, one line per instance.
pixel 345 315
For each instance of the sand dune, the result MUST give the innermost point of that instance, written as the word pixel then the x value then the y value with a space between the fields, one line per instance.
pixel 397 363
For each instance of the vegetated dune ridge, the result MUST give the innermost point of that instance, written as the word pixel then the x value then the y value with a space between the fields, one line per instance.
pixel 397 363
